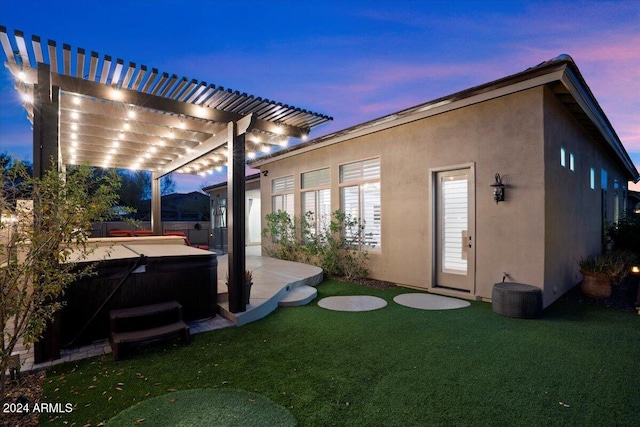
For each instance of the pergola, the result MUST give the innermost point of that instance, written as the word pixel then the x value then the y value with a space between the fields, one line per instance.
pixel 88 109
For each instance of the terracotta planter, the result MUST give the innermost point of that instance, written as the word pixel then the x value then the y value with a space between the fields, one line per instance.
pixel 596 286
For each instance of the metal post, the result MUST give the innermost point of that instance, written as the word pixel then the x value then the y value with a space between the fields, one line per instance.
pixel 236 218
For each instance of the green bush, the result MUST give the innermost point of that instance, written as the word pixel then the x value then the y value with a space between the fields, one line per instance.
pixel 339 249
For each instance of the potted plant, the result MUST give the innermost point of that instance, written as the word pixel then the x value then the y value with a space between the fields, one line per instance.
pixel 248 282
pixel 599 271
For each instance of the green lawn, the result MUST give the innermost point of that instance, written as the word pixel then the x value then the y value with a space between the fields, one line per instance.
pixel 395 366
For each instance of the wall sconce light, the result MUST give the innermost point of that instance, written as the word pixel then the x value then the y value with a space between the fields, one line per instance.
pixel 498 189
pixel 635 269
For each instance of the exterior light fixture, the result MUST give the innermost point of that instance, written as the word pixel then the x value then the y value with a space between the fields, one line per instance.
pixel 635 269
pixel 498 189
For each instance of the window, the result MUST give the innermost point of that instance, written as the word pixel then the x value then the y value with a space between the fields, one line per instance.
pixel 563 161
pixel 572 162
pixel 282 195
pixel 604 179
pixel 360 198
pixel 316 198
pixel 219 211
pixel 592 178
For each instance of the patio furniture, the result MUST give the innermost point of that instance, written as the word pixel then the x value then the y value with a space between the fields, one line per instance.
pixel 517 300
pixel 186 239
pixel 132 327
pixel 143 232
pixel 121 233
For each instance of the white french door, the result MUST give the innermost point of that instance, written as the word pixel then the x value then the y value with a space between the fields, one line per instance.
pixel 454 229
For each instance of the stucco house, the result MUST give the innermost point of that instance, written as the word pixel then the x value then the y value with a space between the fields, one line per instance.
pixel 423 182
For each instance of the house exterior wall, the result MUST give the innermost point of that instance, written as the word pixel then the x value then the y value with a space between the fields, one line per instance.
pixel 503 135
pixel 574 211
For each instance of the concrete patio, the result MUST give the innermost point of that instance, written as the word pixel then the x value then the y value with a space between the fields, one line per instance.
pixel 275 283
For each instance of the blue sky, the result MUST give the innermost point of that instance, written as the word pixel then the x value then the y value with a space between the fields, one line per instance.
pixel 352 60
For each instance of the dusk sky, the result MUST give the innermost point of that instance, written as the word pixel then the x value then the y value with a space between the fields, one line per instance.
pixel 352 60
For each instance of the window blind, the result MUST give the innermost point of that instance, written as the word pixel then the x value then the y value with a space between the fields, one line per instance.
pixel 281 185
pixel 454 224
pixel 360 171
pixel 317 178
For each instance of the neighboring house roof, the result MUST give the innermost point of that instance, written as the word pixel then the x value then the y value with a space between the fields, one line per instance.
pixel 248 178
pixel 560 73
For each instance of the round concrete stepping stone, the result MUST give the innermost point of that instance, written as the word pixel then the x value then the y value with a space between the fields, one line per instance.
pixel 352 303
pixel 430 302
pixel 300 295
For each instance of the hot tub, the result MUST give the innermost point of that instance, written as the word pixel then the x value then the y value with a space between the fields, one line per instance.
pixel 172 273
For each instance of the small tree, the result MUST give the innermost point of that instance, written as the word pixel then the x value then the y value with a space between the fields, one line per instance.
pixel 41 245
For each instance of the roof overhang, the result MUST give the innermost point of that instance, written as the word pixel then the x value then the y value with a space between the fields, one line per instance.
pixel 560 74
pixel 127 116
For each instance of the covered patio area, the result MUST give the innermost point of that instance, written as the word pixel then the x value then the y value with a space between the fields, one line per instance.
pixel 94 109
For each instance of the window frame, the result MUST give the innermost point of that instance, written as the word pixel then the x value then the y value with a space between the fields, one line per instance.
pixel 359 184
pixel 319 225
pixel 285 194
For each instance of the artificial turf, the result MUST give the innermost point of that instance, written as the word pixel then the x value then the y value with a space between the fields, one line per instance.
pixel 205 407
pixel 395 366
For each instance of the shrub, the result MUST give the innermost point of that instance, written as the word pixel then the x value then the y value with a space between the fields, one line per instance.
pixel 339 249
pixel 41 243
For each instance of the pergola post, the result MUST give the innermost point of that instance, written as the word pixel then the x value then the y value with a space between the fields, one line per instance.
pixel 156 205
pixel 236 217
pixel 46 123
pixel 46 155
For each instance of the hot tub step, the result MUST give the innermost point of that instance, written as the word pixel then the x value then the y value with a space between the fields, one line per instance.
pixel 119 340
pixel 144 317
pixel 137 325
